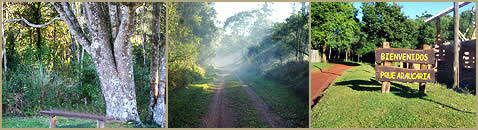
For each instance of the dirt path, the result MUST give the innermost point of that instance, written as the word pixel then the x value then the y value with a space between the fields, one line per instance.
pixel 218 116
pixel 269 117
pixel 322 79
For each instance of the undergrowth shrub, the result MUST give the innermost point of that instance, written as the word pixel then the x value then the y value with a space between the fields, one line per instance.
pixel 30 89
pixel 295 74
pixel 180 76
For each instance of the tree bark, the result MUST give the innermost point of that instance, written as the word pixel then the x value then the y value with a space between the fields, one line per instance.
pixel 158 71
pixel 112 57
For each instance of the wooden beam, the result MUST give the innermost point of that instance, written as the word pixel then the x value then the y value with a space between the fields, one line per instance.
pixel 75 114
pixel 386 84
pixel 456 41
pixel 446 11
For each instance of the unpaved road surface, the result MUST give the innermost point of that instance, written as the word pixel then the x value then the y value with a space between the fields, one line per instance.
pixel 321 80
pixel 269 117
pixel 218 116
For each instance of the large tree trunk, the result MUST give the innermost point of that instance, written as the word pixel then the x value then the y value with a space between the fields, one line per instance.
pixel 158 71
pixel 110 51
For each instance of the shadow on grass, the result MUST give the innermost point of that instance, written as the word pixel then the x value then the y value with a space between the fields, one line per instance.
pixel 346 63
pixel 318 67
pixel 397 89
pixel 81 125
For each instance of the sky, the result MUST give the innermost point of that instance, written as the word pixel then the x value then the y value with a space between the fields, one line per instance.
pixel 281 10
pixel 411 9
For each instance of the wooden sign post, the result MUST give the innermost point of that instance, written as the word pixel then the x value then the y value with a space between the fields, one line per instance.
pixel 386 84
pixel 387 73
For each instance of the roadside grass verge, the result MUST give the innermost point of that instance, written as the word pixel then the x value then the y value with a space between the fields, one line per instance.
pixel 61 122
pixel 245 112
pixel 355 100
pixel 188 105
pixel 318 66
pixel 281 99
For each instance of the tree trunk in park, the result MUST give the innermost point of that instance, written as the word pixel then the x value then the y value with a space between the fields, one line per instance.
pixel 324 57
pixel 158 70
pixel 347 54
pixel 338 54
pixel 110 51
pixel 330 52
pixel 143 34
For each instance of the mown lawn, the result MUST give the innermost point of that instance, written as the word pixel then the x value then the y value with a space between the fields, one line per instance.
pixel 188 105
pixel 317 66
pixel 61 122
pixel 355 100
pixel 284 101
pixel 237 98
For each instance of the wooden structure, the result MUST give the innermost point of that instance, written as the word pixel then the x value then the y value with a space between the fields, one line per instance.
pixel 456 58
pixel 100 120
pixel 467 63
pixel 387 73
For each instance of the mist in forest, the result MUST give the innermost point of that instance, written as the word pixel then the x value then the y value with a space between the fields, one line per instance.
pixel 227 45
pixel 258 38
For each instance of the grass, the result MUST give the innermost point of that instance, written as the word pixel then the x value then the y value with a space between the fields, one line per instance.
pixel 188 105
pixel 355 100
pixel 317 66
pixel 281 99
pixel 61 122
pixel 245 112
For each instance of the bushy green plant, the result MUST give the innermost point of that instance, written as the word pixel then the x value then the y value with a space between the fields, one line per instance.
pixel 180 76
pixel 293 73
pixel 27 90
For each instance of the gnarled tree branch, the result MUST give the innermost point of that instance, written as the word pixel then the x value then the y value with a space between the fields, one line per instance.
pixel 31 24
pixel 66 13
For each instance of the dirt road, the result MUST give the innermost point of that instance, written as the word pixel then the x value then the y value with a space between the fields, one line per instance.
pixel 218 116
pixel 322 79
pixel 265 114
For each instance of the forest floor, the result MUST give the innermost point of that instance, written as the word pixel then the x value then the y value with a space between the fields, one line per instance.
pixel 323 76
pixel 62 122
pixel 355 100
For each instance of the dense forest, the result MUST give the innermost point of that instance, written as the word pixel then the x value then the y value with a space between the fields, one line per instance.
pixel 97 58
pixel 247 47
pixel 338 34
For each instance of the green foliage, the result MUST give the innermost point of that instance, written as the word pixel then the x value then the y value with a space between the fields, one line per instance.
pixel 22 89
pixel 179 76
pixel 294 75
pixel 142 89
pixel 188 105
pixel 276 43
pixel 333 24
pixel 192 34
